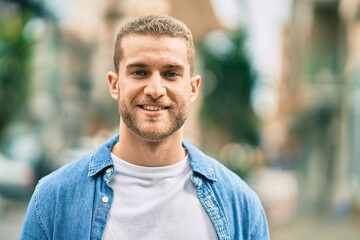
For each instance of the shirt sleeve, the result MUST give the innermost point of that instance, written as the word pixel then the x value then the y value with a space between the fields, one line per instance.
pixel 33 227
pixel 261 228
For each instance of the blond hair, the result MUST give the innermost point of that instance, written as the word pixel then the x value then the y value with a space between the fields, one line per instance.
pixel 155 25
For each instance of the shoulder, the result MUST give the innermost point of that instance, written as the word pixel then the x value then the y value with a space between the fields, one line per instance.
pixel 217 173
pixel 64 177
pixel 240 202
pixel 54 192
pixel 80 171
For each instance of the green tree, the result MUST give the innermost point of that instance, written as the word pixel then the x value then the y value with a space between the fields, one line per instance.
pixel 228 82
pixel 15 56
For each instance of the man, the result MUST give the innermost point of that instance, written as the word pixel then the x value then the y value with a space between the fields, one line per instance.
pixel 147 182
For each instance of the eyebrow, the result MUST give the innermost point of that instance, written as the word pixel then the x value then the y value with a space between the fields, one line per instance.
pixel 173 66
pixel 143 65
pixel 137 64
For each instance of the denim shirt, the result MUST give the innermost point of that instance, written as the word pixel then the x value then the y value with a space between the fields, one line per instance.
pixel 74 201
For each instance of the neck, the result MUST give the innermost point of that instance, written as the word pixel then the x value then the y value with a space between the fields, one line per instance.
pixel 143 152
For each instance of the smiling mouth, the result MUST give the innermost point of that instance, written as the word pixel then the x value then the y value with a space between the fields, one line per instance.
pixel 153 107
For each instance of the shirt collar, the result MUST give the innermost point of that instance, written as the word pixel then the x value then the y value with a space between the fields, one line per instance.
pixel 101 158
pixel 199 162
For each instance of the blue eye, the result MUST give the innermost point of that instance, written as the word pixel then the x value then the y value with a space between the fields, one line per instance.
pixel 171 74
pixel 139 73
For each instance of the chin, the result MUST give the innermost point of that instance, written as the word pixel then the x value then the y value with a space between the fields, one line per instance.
pixel 154 137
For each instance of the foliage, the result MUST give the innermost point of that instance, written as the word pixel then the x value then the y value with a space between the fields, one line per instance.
pixel 15 54
pixel 228 81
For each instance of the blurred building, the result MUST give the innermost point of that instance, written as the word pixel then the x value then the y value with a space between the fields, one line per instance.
pixel 349 166
pixel 315 128
pixel 313 87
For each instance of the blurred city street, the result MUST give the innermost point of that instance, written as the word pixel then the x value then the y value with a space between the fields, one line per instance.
pixel 280 100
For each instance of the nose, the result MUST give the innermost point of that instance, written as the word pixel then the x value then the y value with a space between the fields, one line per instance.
pixel 155 87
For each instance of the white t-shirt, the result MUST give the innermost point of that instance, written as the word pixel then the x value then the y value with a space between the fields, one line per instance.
pixel 154 203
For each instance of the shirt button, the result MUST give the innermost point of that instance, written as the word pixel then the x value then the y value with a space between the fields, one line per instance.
pixel 105 199
pixel 108 171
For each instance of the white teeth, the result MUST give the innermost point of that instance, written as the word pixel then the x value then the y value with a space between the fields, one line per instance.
pixel 152 108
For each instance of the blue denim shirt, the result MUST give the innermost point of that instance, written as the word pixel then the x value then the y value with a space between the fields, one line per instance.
pixel 74 202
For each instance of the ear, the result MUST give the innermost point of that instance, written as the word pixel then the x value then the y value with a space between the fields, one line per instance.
pixel 195 86
pixel 112 79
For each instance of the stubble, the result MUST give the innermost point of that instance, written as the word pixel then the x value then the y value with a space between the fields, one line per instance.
pixel 153 128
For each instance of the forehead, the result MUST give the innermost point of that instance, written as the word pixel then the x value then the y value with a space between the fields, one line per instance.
pixel 154 48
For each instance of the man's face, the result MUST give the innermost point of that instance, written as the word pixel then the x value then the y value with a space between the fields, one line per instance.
pixel 154 86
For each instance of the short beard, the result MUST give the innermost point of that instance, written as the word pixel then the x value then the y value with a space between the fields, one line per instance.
pixel 177 117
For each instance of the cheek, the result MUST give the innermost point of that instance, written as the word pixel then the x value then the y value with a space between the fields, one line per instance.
pixel 183 90
pixel 128 92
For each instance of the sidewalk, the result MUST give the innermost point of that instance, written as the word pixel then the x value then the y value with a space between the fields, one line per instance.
pixel 315 228
pixel 11 218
